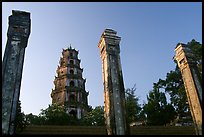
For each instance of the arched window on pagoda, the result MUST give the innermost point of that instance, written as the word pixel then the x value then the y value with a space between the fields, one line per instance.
pixel 73 113
pixel 71 62
pixel 71 83
pixel 71 71
pixel 72 98
pixel 71 54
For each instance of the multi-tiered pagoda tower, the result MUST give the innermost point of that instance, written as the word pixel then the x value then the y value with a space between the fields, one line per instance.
pixel 69 85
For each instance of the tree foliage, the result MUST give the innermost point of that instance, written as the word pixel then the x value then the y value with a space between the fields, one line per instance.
pixel 133 108
pixel 34 119
pixel 20 120
pixel 196 48
pixel 175 87
pixel 56 115
pixel 53 115
pixel 95 117
pixel 157 110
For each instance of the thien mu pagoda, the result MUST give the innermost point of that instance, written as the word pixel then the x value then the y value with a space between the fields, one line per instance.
pixel 69 85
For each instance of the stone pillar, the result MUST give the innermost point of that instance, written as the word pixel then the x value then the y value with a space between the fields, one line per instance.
pixel 192 82
pixel 12 67
pixel 114 93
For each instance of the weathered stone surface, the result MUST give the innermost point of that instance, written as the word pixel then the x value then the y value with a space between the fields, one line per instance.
pixel 12 67
pixel 192 83
pixel 114 94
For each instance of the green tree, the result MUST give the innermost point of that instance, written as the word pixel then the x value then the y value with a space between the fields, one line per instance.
pixel 175 87
pixel 20 120
pixel 132 106
pixel 35 120
pixel 95 117
pixel 157 110
pixel 196 48
pixel 56 115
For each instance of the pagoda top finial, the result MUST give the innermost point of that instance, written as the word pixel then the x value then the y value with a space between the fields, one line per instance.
pixel 70 47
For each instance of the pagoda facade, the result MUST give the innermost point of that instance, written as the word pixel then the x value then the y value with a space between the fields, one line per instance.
pixel 69 85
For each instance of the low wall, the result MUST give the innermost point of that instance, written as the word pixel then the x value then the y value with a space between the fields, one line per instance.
pixel 100 130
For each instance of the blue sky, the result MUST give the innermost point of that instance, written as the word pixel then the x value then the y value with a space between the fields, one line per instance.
pixel 149 33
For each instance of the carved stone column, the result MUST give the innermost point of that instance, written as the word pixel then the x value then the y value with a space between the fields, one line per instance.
pixel 192 83
pixel 114 94
pixel 12 67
